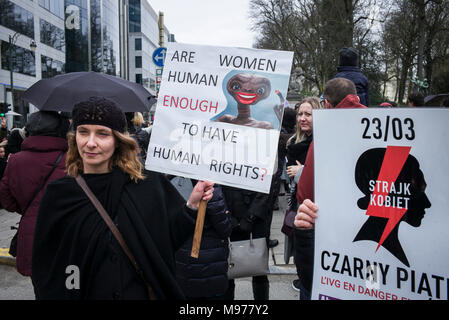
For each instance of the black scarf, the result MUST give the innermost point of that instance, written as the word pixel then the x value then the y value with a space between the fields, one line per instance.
pixel 151 216
pixel 298 151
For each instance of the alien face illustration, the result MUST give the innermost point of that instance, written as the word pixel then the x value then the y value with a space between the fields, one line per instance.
pixel 248 89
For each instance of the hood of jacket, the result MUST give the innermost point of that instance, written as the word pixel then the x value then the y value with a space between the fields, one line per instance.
pixel 348 69
pixel 350 101
pixel 44 143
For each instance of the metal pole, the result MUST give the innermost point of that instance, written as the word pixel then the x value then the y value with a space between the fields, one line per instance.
pixel 11 71
pixel 161 29
pixel 9 119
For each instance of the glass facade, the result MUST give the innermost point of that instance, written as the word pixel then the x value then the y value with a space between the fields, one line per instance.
pixel 51 67
pixel 76 36
pixel 134 16
pixel 111 37
pixel 54 6
pixel 23 59
pixel 96 36
pixel 16 18
pixel 71 36
pixel 104 38
pixel 52 35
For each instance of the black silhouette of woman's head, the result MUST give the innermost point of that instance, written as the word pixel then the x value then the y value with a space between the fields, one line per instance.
pixel 407 192
pixel 367 169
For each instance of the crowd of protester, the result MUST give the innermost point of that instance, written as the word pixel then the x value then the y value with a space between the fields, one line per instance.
pixel 38 164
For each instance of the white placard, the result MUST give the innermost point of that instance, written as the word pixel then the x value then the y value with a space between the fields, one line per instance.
pixel 381 181
pixel 215 116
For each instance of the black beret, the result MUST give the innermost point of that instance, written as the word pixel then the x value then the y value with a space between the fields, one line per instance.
pixel 99 111
pixel 348 57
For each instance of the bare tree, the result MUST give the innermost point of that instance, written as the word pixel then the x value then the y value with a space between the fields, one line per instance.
pixel 315 30
pixel 400 40
pixel 417 39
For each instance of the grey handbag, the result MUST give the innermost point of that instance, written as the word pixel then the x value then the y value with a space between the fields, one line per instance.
pixel 248 258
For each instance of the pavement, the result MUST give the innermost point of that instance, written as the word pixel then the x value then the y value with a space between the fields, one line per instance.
pixel 7 220
pixel 281 274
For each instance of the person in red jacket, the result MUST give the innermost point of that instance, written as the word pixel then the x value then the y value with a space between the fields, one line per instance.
pixel 338 93
pixel 23 182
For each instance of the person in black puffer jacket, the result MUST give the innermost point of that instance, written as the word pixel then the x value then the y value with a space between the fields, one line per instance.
pixel 134 121
pixel 249 212
pixel 348 61
pixel 206 278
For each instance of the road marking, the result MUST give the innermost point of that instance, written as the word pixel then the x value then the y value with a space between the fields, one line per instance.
pixel 4 252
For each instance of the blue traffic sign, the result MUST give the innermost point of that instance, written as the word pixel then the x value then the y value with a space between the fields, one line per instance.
pixel 159 56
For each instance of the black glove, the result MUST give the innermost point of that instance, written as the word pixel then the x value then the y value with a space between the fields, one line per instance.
pixel 246 224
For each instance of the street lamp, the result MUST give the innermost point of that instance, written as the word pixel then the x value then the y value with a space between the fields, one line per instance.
pixel 12 42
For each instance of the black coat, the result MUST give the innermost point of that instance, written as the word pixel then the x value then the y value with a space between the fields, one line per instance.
pixel 207 276
pixel 244 204
pixel 3 164
pixel 142 139
pixel 361 82
pixel 152 217
pixel 297 151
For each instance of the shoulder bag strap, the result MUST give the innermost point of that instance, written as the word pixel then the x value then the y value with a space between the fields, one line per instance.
pixel 118 236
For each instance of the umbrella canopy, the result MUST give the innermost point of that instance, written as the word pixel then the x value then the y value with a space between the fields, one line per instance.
pixel 435 100
pixel 12 113
pixel 62 92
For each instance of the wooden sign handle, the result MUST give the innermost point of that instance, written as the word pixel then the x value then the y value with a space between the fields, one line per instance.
pixel 198 229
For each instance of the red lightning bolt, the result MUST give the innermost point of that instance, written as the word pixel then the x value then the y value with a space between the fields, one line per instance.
pixel 392 164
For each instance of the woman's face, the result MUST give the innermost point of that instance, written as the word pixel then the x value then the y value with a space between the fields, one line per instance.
pixel 96 145
pixel 2 152
pixel 304 117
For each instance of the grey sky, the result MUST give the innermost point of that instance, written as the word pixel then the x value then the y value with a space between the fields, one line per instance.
pixel 208 22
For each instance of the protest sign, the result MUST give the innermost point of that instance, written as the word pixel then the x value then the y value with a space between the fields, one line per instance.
pixel 381 181
pixel 219 114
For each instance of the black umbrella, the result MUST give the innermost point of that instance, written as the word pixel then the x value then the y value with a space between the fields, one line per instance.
pixel 62 92
pixel 435 100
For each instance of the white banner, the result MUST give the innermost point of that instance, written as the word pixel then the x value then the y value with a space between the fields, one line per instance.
pixel 381 182
pixel 218 114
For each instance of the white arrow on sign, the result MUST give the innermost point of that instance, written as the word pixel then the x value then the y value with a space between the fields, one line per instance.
pixel 159 56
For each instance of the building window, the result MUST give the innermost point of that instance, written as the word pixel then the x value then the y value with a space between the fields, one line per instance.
pixel 51 67
pixel 23 60
pixel 52 35
pixel 16 18
pixel 138 62
pixel 139 78
pixel 134 16
pixel 138 43
pixel 54 6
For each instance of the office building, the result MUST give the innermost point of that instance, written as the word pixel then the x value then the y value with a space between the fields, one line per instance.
pixel 44 38
pixel 144 38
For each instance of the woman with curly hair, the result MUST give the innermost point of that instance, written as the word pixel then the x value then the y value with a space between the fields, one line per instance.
pixel 75 255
